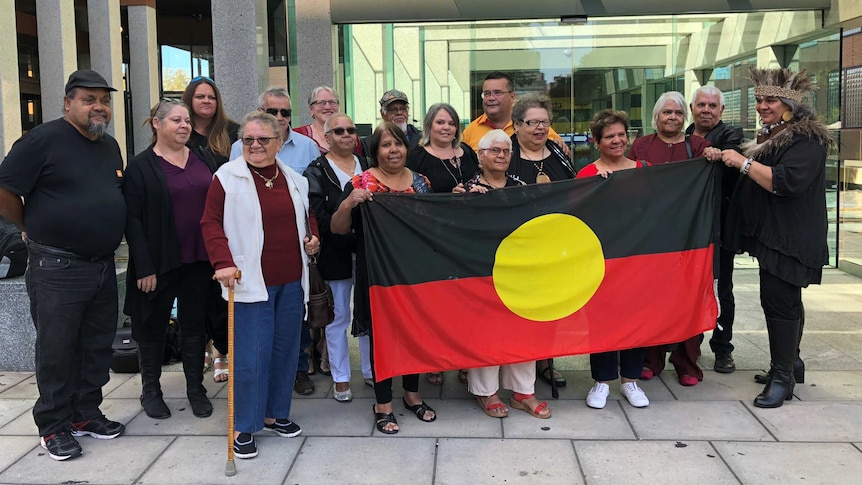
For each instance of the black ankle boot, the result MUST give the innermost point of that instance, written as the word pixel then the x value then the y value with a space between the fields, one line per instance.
pixel 192 352
pixel 783 339
pixel 150 357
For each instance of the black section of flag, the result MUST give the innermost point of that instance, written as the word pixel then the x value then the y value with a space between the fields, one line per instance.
pixel 451 236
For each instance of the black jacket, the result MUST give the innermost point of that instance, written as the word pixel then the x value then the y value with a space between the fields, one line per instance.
pixel 151 232
pixel 324 194
pixel 724 137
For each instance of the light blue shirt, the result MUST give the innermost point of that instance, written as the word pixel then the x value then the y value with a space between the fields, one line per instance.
pixel 297 152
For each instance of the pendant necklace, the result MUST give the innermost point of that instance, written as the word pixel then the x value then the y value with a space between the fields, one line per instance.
pixel 267 182
pixel 541 176
pixel 455 162
pixel 492 185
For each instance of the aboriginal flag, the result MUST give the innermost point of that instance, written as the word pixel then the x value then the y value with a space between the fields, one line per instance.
pixel 539 271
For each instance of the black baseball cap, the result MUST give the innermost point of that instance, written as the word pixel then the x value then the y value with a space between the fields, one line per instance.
pixel 86 78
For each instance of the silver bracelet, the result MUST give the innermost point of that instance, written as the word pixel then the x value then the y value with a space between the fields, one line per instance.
pixel 746 166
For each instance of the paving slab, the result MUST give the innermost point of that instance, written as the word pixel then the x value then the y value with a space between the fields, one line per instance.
pixel 703 420
pixel 202 459
pixel 471 461
pixel 11 409
pixel 9 379
pixel 612 463
pixel 365 460
pixel 847 342
pixel 14 447
pixel 104 462
pixel 24 389
pixel 181 422
pixel 570 420
pixel 813 421
pixel 327 417
pixel 804 463
pixel 738 386
pixel 830 386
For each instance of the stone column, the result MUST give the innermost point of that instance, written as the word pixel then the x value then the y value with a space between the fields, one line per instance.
pixel 57 52
pixel 314 36
pixel 106 58
pixel 241 53
pixel 10 100
pixel 143 68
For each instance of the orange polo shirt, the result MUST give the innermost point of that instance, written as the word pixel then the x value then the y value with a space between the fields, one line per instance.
pixel 481 126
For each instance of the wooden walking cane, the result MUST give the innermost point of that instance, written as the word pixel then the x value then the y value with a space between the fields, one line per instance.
pixel 230 467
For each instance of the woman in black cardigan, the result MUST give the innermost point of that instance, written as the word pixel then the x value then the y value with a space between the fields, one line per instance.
pixel 777 214
pixel 327 176
pixel 165 190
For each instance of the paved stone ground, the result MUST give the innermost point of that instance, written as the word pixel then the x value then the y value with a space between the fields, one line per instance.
pixel 706 434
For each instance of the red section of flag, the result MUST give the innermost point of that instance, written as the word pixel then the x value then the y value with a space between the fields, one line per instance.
pixel 460 324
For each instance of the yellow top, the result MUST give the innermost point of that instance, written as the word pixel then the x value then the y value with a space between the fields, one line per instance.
pixel 481 126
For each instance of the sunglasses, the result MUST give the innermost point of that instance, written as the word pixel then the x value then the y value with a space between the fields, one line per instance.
pixel 340 131
pixel 202 78
pixel 263 140
pixel 285 113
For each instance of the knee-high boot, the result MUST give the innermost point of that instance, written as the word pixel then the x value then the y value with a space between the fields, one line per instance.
pixel 150 357
pixel 192 352
pixel 798 364
pixel 783 341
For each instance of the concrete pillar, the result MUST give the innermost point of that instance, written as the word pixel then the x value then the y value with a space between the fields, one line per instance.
pixel 106 58
pixel 57 52
pixel 315 52
pixel 143 68
pixel 10 99
pixel 241 53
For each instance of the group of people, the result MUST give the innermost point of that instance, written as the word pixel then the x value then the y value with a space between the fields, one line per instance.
pixel 213 206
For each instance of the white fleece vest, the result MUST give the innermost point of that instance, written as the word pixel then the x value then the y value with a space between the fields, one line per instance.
pixel 243 226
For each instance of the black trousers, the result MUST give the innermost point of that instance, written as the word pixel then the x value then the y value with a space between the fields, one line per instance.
pixel 607 366
pixel 383 389
pixel 190 286
pixel 720 343
pixel 73 302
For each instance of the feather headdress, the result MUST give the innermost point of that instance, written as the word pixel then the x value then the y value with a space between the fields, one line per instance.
pixel 782 83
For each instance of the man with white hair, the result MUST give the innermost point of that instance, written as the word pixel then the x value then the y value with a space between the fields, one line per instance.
pixel 707 106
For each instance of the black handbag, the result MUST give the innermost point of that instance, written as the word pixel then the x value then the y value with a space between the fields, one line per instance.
pixel 125 352
pixel 321 304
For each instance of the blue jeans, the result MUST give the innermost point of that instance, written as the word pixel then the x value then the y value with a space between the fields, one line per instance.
pixel 305 342
pixel 266 341
pixel 73 302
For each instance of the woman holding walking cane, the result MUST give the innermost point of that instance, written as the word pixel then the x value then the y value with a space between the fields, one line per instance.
pixel 250 197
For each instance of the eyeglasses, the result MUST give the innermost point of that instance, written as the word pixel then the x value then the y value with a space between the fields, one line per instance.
pixel 494 94
pixel 497 151
pixel 534 123
pixel 340 131
pixel 263 140
pixel 285 113
pixel 201 78
pixel 398 109
pixel 324 102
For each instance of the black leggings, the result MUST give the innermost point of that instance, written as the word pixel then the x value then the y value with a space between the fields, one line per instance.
pixel 780 300
pixel 383 389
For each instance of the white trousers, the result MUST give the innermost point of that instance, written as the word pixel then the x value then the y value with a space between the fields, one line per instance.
pixel 336 332
pixel 520 378
pixel 365 356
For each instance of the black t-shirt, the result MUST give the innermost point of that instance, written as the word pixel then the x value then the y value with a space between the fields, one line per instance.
pixel 72 188
pixel 442 174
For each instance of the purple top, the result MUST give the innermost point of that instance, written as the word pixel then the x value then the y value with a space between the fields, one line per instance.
pixel 188 187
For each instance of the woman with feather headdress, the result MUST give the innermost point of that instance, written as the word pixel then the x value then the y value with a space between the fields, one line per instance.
pixel 778 215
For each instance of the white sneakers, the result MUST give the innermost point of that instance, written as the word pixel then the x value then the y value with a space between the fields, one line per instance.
pixel 634 394
pixel 598 395
pixel 597 398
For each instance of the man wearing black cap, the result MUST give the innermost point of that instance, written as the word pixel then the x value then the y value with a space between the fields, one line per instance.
pixel 69 173
pixel 394 107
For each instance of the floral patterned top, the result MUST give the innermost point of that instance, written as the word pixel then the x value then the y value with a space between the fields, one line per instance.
pixel 367 180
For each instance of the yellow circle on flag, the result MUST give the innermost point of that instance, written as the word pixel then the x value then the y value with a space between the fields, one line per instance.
pixel 549 267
